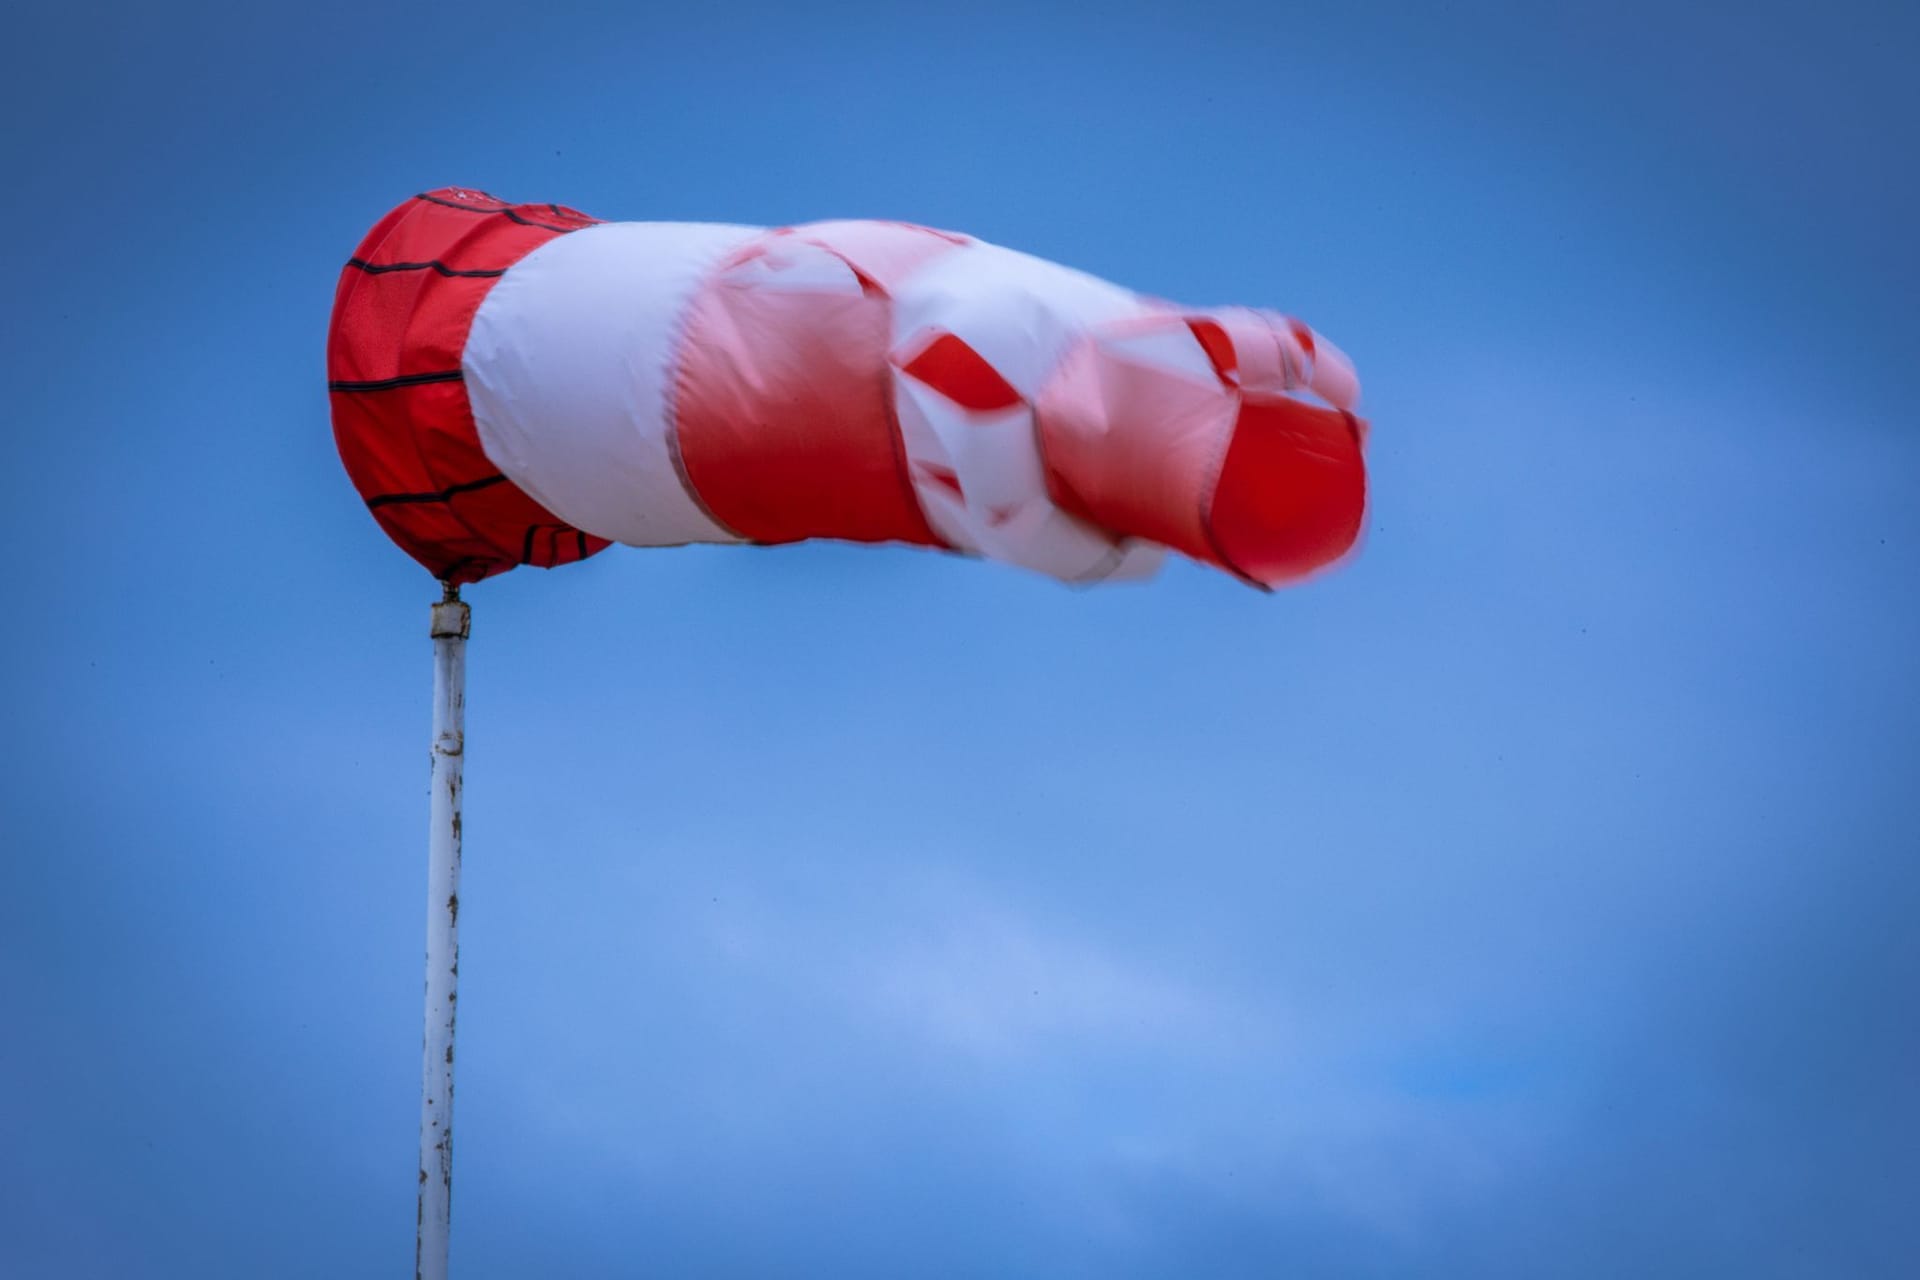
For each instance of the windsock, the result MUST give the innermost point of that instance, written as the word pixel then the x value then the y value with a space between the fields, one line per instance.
pixel 524 384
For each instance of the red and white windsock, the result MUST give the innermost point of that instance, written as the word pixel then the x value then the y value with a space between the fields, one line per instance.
pixel 524 384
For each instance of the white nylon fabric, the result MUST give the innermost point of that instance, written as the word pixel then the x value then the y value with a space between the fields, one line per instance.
pixel 569 367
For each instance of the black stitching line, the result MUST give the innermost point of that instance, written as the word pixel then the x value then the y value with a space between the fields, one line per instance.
pixel 554 533
pixel 506 209
pixel 389 499
pixel 381 268
pixel 404 380
pixel 460 204
pixel 529 222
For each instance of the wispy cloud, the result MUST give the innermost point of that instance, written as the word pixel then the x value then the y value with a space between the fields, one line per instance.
pixel 951 964
pixel 1125 1083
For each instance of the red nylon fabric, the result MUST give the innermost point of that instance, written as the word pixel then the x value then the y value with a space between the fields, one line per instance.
pixel 1291 493
pixel 1133 447
pixel 958 372
pixel 1239 475
pixel 784 403
pixel 402 422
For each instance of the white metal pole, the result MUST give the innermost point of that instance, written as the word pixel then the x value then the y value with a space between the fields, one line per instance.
pixel 450 623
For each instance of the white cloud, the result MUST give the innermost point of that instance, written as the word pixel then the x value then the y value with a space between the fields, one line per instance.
pixel 949 964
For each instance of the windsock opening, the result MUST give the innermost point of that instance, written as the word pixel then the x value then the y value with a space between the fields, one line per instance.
pixel 401 415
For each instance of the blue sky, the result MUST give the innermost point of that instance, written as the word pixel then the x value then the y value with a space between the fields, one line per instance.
pixel 1535 896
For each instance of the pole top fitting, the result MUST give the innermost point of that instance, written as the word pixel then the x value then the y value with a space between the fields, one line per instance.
pixel 451 620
